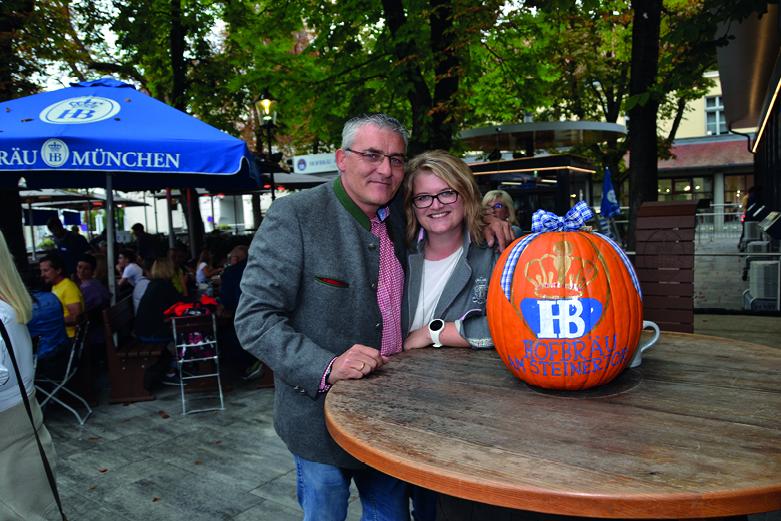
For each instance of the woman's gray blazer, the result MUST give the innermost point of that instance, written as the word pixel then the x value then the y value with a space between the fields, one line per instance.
pixel 464 294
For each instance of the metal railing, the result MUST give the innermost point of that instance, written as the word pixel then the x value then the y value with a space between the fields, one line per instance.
pixel 722 222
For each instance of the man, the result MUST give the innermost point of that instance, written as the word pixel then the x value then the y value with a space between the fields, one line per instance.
pixel 67 292
pixel 146 245
pixel 230 291
pixel 321 302
pixel 95 294
pixel 70 245
pixel 128 269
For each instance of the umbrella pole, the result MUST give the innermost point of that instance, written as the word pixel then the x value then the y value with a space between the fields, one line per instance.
pixel 214 223
pixel 146 219
pixel 112 274
pixel 190 227
pixel 171 238
pixel 32 228
pixel 154 205
pixel 89 221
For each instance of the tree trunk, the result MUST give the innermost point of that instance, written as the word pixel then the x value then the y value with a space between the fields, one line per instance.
pixel 179 101
pixel 643 115
pixel 11 226
pixel 446 75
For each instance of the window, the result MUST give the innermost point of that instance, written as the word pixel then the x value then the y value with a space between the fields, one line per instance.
pixel 715 123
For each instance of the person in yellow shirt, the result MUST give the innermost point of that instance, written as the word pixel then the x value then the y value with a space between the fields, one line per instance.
pixel 53 272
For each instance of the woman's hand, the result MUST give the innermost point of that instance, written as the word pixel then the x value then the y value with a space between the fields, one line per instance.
pixel 417 339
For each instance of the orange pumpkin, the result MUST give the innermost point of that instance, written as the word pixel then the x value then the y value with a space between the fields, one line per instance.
pixel 565 309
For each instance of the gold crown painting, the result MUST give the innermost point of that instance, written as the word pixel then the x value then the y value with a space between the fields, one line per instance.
pixel 560 274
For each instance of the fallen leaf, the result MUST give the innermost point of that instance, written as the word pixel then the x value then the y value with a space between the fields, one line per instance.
pixel 102 470
pixel 163 414
pixel 155 499
pixel 217 442
pixel 198 462
pixel 93 487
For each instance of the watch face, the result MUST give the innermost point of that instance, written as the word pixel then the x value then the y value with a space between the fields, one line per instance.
pixel 437 324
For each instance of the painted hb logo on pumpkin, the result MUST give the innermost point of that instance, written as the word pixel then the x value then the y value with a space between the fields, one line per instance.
pixel 563 318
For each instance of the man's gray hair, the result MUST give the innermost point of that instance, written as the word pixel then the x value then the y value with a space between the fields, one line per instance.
pixel 352 126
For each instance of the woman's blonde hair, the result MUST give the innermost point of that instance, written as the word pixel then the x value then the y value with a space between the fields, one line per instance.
pixel 163 268
pixel 12 289
pixel 505 198
pixel 458 176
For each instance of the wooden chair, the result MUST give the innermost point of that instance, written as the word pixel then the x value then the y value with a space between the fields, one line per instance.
pixel 664 241
pixel 127 358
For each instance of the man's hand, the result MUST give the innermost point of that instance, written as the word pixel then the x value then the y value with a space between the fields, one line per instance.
pixel 497 232
pixel 356 362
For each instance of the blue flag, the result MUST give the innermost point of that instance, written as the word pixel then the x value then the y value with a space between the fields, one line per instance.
pixel 609 206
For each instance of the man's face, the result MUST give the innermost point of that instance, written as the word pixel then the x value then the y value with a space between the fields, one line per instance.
pixel 48 273
pixel 84 270
pixel 371 185
pixel 122 261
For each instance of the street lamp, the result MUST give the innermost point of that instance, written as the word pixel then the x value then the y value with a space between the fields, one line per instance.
pixel 266 117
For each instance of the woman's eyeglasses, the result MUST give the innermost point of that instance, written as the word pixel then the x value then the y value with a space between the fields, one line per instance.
pixel 498 206
pixel 426 200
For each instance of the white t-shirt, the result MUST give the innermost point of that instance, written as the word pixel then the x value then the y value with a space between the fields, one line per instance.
pixel 23 349
pixel 138 291
pixel 132 273
pixel 200 275
pixel 432 283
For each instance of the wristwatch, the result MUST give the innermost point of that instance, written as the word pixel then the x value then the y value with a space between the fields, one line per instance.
pixel 435 328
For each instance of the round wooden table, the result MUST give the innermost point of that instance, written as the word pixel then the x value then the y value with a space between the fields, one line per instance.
pixel 694 432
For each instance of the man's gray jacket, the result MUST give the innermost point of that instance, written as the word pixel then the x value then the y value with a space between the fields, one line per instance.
pixel 309 293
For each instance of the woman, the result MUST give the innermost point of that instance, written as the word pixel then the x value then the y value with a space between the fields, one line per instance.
pixel 150 325
pixel 25 493
pixel 449 265
pixel 500 204
pixel 205 270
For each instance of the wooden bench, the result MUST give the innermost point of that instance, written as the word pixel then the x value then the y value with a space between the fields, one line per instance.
pixel 127 359
pixel 664 259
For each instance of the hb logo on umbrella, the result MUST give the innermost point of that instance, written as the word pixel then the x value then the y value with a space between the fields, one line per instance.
pixel 77 111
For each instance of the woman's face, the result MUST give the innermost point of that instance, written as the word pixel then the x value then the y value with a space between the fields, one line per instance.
pixel 499 209
pixel 439 218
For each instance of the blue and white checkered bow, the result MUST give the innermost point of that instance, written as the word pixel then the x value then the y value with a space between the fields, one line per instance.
pixel 576 217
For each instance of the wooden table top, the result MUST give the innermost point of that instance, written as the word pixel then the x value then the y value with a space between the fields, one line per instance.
pixel 693 432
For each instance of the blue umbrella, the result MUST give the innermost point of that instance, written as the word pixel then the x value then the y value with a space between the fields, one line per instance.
pixel 69 138
pixel 106 133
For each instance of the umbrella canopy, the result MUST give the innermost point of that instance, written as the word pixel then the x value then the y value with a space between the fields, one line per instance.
pixel 71 137
pixel 105 133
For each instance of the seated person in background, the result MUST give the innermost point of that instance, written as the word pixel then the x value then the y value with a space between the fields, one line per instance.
pixel 142 283
pixel 150 325
pixel 70 245
pixel 96 296
pixel 230 280
pixel 127 268
pixel 205 270
pixel 500 205
pixel 53 273
pixel 230 291
pixel 181 274
pixel 48 326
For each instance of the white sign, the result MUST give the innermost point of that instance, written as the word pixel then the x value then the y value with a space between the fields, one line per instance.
pixel 314 163
pixel 77 111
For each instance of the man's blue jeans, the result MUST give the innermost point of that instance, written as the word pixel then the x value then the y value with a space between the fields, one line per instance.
pixel 323 491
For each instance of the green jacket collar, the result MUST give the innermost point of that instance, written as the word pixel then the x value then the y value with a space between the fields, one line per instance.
pixel 353 208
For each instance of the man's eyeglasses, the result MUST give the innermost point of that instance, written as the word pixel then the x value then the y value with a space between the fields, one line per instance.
pixel 426 200
pixel 498 206
pixel 375 158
